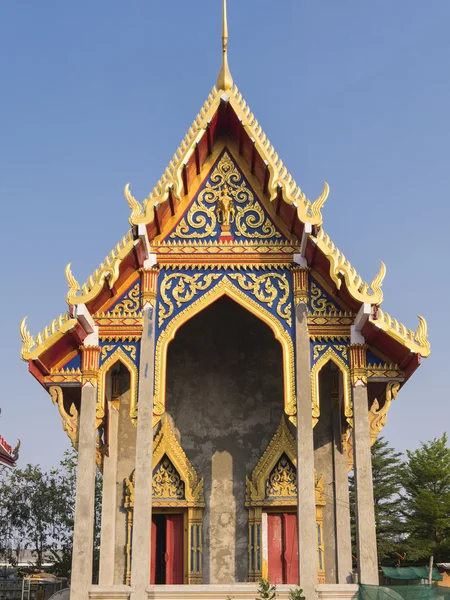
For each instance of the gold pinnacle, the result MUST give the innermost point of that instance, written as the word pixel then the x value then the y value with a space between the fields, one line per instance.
pixel 224 80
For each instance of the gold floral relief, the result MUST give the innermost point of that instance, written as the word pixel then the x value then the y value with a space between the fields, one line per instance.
pixel 167 483
pixel 319 301
pixel 250 219
pixel 264 290
pixel 131 302
pixel 183 288
pixel 282 480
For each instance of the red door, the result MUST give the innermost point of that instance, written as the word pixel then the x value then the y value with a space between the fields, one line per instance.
pixel 167 552
pixel 290 547
pixel 174 549
pixel 275 545
pixel 153 553
pixel 283 548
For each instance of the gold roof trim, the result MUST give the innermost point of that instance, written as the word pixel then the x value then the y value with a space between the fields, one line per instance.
pixel 107 271
pixel 279 177
pixel 340 268
pixel 416 341
pixel 34 346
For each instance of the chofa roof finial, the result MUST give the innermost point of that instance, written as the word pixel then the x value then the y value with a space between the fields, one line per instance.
pixel 224 80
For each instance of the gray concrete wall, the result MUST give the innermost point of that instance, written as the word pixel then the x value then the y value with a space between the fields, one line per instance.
pixel 225 395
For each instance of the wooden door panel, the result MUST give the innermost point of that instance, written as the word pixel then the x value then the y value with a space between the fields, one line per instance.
pixel 275 547
pixel 290 539
pixel 174 549
pixel 153 553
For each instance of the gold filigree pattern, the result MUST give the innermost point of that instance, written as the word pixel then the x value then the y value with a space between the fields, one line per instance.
pixel 281 445
pixel 167 483
pixel 185 288
pixel 282 480
pixel 319 301
pixel 318 348
pixel 131 303
pixel 251 221
pixel 377 415
pixel 69 419
pixel 264 290
pixel 166 445
pixel 131 350
pixel 342 349
pixel 106 349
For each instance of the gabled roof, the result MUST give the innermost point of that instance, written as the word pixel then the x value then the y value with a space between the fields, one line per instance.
pixel 225 114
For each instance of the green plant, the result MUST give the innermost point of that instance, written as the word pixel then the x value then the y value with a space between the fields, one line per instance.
pixel 296 594
pixel 266 591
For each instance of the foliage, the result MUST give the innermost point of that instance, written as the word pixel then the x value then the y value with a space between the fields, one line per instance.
pixel 266 591
pixel 387 491
pixel 37 512
pixel 426 504
pixel 296 594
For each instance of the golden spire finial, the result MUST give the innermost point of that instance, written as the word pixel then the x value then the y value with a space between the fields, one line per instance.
pixel 224 80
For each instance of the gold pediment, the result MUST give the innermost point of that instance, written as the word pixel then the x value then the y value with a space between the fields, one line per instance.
pixel 274 479
pixel 175 481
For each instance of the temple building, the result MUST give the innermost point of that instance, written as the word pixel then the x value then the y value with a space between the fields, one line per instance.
pixel 8 454
pixel 225 368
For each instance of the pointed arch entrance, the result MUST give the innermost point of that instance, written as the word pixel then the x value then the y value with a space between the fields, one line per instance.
pixel 224 287
pixel 225 395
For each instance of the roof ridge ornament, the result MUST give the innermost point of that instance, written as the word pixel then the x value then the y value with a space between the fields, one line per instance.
pixel 224 80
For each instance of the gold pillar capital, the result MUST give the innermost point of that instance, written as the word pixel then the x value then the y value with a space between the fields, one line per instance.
pixel 90 358
pixel 300 276
pixel 149 285
pixel 358 364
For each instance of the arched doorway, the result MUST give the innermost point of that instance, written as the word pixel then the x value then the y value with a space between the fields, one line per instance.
pixel 225 394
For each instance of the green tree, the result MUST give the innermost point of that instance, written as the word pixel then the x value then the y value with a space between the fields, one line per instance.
pixel 426 482
pixel 387 488
pixel 37 512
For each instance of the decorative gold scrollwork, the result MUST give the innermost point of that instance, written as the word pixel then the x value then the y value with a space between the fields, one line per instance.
pixel 69 419
pixel 282 480
pixel 264 290
pixel 226 180
pixel 106 349
pixel 186 287
pixel 167 483
pixel 318 348
pixel 131 302
pixel 319 301
pixel 377 415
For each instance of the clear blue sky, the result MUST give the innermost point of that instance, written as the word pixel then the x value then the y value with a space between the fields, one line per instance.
pixel 96 94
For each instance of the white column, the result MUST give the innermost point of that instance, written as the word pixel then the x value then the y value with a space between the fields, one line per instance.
pixel 83 536
pixel 366 540
pixel 142 518
pixel 341 493
pixel 307 530
pixel 109 501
